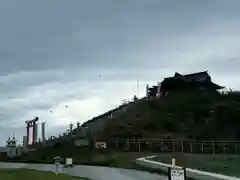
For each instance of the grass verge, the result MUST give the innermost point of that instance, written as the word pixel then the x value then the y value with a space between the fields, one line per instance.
pixel 25 174
pixel 222 164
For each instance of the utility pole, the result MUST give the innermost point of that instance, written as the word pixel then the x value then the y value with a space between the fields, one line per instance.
pixel 137 88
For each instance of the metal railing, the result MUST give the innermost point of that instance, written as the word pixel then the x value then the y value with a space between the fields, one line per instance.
pixel 170 146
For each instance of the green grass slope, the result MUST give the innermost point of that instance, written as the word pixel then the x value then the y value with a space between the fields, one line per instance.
pixel 25 174
pixel 198 115
pixel 223 164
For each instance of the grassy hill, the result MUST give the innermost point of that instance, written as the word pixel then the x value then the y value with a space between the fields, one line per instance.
pixel 195 115
pixel 199 115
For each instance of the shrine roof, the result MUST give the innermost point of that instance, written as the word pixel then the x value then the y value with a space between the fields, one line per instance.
pixel 193 76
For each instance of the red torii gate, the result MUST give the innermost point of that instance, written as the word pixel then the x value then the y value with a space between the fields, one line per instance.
pixel 32 124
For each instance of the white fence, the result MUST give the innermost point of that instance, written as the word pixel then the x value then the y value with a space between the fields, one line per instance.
pixel 192 173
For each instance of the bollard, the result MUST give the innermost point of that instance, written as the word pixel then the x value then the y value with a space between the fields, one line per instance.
pixel 173 162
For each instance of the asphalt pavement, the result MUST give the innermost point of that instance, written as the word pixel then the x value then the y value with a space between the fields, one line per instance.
pixel 91 172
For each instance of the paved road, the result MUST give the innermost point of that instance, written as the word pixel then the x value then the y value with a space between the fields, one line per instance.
pixel 92 172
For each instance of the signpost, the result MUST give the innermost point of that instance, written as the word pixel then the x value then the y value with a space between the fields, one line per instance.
pixel 176 173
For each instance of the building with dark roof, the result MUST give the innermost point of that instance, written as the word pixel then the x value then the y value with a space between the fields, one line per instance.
pixel 199 80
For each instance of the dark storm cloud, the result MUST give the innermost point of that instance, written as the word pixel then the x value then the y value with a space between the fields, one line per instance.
pixel 62 34
pixel 58 51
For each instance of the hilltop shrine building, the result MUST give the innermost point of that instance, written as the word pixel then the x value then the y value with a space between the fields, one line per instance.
pixel 200 80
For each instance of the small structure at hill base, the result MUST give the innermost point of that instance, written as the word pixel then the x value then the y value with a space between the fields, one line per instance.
pixel 179 82
pixel 57 161
pixel 12 148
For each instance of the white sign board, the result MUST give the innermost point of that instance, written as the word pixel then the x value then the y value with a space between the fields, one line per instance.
pixel 69 161
pixel 101 145
pixel 177 174
pixel 81 142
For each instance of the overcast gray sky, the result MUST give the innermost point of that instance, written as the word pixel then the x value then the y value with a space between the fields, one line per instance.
pixel 89 54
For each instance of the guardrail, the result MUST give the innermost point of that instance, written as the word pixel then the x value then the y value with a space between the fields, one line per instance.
pixel 192 173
